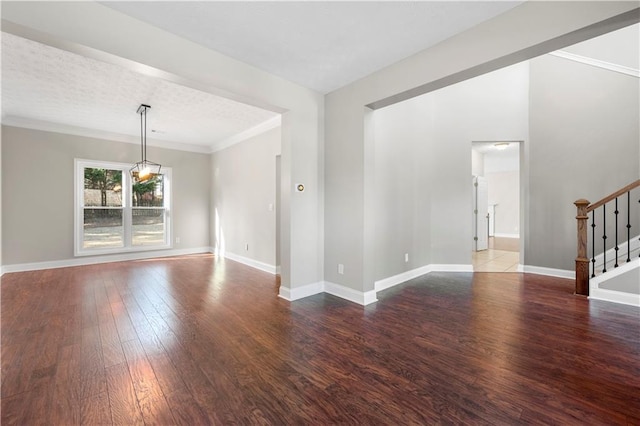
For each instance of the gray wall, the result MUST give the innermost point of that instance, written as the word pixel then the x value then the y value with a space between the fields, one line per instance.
pixel 628 282
pixel 244 185
pixel 403 186
pixel 519 34
pixel 584 131
pixel 38 185
pixel 423 166
pixel 1 204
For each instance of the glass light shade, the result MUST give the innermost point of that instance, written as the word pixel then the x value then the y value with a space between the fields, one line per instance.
pixel 145 170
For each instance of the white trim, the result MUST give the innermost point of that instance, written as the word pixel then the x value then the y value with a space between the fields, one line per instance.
pixel 453 267
pixel 503 235
pixel 46 126
pixel 597 63
pixel 79 164
pixel 622 256
pixel 355 296
pixel 551 272
pixel 272 123
pixel 296 293
pixel 615 296
pixel 400 278
pixel 93 260
pixel 403 277
pixel 278 270
pixel 251 262
pixel 285 293
pixel 614 272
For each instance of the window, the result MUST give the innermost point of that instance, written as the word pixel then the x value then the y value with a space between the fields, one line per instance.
pixel 115 213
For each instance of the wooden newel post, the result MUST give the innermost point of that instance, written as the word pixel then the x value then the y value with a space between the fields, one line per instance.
pixel 582 262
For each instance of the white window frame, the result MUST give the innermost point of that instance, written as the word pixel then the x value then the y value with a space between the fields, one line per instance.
pixel 127 210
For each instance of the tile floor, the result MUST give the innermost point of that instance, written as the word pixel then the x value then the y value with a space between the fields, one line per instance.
pixel 502 256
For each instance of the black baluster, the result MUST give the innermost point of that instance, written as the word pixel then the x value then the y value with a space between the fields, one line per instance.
pixel 604 238
pixel 629 226
pixel 616 246
pixel 593 243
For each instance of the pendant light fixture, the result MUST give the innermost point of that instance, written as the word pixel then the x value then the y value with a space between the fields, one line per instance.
pixel 144 170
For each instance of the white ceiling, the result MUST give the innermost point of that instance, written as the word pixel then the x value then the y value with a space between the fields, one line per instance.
pixel 43 84
pixel 322 45
pixel 496 160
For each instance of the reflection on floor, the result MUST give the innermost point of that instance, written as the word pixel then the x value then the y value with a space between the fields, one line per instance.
pixel 502 256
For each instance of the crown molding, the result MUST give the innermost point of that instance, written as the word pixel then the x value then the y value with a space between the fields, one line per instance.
pixel 47 126
pixel 597 63
pixel 27 123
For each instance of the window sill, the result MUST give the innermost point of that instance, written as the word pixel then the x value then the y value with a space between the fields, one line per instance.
pixel 121 250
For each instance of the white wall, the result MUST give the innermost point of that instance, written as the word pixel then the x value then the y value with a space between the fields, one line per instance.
pixel 502 170
pixel 38 176
pixel 504 191
pixel 477 163
pixel 244 199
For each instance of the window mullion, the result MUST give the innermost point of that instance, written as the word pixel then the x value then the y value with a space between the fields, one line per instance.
pixel 127 190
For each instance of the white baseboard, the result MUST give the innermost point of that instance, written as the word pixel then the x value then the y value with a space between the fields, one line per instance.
pixel 503 235
pixel 251 262
pixel 540 270
pixel 389 282
pixel 278 269
pixel 355 296
pixel 93 260
pixel 614 296
pixel 451 267
pixel 296 293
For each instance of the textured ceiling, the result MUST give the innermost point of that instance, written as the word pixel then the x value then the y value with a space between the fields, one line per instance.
pixel 322 45
pixel 44 84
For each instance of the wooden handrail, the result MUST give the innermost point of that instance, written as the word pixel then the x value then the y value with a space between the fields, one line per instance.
pixel 582 262
pixel 613 196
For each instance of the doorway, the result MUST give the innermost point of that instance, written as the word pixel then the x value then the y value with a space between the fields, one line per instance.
pixel 497 206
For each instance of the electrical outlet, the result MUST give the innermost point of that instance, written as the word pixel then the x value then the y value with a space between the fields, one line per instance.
pixel 406 257
pixel 340 268
pixel 177 240
pixel 246 247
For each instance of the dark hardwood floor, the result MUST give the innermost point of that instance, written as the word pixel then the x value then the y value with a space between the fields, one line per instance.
pixel 192 340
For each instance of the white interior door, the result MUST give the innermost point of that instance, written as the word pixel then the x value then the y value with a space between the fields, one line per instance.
pixel 480 213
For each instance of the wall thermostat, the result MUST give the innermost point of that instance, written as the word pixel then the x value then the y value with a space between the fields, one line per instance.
pixel 300 187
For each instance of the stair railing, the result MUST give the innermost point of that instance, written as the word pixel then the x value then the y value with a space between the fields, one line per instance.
pixel 584 208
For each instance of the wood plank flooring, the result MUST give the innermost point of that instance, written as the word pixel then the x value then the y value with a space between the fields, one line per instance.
pixel 194 340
